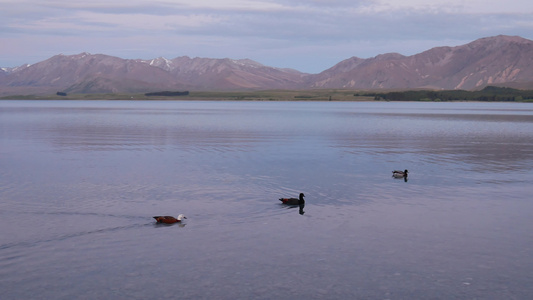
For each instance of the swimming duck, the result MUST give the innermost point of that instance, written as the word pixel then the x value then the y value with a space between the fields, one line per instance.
pixel 169 219
pixel 399 174
pixel 293 201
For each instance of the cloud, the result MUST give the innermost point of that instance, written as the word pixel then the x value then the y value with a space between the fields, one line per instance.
pixel 306 35
pixel 477 7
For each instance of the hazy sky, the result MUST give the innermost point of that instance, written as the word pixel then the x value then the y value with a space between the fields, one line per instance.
pixel 309 36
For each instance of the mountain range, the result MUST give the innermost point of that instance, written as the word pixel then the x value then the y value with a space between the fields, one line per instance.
pixel 500 60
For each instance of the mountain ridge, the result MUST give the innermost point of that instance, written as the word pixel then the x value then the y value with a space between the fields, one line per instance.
pixel 499 60
pixel 486 61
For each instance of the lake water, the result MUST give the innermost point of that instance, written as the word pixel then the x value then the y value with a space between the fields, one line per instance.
pixel 81 180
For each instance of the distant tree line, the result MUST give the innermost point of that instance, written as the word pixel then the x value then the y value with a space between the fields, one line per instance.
pixel 167 94
pixel 490 93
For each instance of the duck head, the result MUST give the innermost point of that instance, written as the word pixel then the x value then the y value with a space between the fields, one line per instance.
pixel 301 203
pixel 181 216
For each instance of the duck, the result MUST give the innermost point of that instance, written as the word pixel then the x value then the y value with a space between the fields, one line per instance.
pixel 169 219
pixel 400 174
pixel 293 201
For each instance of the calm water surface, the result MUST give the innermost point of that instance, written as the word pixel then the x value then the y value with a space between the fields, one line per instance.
pixel 80 181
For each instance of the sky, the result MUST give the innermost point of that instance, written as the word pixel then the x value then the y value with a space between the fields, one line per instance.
pixel 309 36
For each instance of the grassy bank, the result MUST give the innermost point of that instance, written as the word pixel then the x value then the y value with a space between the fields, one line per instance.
pixel 488 94
pixel 270 95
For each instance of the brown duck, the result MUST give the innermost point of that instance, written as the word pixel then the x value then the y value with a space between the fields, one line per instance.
pixel 293 201
pixel 169 219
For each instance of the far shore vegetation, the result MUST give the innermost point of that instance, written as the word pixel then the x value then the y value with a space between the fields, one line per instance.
pixel 490 93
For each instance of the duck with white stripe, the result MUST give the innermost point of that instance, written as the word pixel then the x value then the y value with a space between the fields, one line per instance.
pixel 400 174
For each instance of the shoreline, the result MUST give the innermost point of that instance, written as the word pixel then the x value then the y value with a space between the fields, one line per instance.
pixel 333 95
pixel 268 95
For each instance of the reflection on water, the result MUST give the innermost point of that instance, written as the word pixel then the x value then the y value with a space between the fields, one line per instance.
pixel 80 180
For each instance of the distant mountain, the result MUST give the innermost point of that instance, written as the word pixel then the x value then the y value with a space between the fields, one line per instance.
pixel 500 60
pixel 86 73
pixel 228 74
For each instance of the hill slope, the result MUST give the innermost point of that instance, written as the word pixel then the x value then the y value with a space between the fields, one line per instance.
pixel 488 61
pixel 500 60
